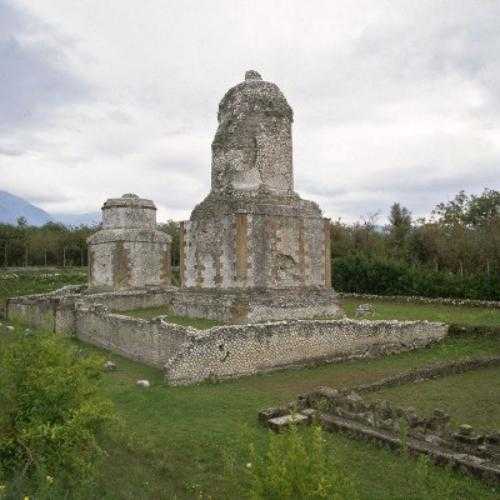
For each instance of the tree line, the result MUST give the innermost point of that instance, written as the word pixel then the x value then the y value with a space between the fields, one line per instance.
pixel 55 244
pixel 455 252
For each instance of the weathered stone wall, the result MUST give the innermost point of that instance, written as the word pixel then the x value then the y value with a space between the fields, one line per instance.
pixel 247 349
pixel 131 299
pixel 253 231
pixel 128 252
pixel 247 306
pixel 50 312
pixel 190 356
pixel 56 311
pixel 151 342
pixel 252 148
pixel 254 250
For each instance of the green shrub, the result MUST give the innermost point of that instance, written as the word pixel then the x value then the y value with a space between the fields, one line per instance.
pixel 50 415
pixel 359 274
pixel 294 464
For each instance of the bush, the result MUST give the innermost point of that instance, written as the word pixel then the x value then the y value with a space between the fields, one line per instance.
pixel 50 415
pixel 359 274
pixel 295 464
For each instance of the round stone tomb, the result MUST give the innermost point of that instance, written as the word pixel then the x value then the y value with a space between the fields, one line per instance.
pixel 129 252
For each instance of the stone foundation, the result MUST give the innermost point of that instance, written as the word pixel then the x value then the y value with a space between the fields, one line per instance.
pixel 188 355
pixel 472 452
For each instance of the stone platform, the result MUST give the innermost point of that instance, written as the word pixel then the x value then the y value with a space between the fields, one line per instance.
pixel 252 305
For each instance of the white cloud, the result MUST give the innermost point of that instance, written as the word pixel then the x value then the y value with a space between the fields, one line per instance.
pixel 393 101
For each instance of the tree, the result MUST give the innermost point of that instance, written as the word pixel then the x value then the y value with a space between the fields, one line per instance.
pixel 400 225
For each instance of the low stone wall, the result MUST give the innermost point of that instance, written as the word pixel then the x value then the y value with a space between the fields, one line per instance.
pixel 56 311
pixel 152 342
pixel 189 356
pixel 465 449
pixel 134 299
pixel 416 299
pixel 236 350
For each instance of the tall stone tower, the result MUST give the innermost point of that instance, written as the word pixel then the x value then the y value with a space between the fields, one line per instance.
pixel 253 236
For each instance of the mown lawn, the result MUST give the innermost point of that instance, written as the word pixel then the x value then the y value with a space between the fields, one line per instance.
pixel 175 439
pixel 435 312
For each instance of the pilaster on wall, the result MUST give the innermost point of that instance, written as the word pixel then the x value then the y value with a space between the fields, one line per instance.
pixel 241 242
pixel 182 252
pixel 328 254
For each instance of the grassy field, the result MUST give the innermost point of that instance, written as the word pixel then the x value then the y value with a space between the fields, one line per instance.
pixel 469 398
pixel 182 433
pixel 152 312
pixel 37 280
pixel 435 312
pixel 175 439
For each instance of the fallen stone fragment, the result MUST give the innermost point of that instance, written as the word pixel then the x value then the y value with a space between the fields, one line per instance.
pixel 109 366
pixel 310 413
pixel 465 430
pixel 364 310
pixel 143 383
pixel 268 413
pixel 281 423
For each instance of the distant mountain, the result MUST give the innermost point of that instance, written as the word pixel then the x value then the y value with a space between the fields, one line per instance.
pixel 88 219
pixel 12 207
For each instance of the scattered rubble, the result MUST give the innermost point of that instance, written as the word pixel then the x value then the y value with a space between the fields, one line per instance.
pixel 473 452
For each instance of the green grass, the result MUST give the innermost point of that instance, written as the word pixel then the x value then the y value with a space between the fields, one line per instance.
pixel 31 281
pixel 469 398
pixel 152 312
pixel 182 433
pixel 176 438
pixel 431 312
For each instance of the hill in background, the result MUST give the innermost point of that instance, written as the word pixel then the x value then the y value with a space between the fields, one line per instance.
pixel 12 207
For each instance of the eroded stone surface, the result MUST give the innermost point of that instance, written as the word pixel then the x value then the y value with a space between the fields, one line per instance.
pixel 472 452
pixel 253 231
pixel 128 252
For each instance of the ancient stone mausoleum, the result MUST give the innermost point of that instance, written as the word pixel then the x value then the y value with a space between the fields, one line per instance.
pixel 253 235
pixel 253 252
pixel 128 252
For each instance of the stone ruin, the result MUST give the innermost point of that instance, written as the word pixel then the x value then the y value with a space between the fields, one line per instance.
pixel 253 249
pixel 464 448
pixel 128 251
pixel 253 236
pixel 254 256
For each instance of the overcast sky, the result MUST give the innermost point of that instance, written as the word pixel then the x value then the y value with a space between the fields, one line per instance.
pixel 393 100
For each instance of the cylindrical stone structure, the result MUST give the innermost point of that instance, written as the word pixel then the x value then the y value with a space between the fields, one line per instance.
pixel 129 252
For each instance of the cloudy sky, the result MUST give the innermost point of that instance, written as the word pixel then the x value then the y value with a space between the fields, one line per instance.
pixel 394 100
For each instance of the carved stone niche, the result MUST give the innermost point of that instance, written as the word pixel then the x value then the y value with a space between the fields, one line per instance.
pixel 128 252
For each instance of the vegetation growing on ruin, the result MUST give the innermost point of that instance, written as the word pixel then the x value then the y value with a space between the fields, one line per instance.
pixel 153 312
pixel 25 282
